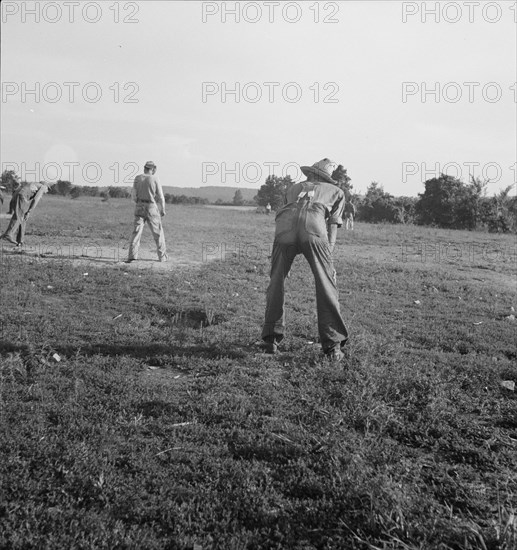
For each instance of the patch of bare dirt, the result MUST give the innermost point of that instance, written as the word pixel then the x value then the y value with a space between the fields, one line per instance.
pixel 99 256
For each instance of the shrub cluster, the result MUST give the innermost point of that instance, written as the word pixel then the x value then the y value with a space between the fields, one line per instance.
pixel 446 202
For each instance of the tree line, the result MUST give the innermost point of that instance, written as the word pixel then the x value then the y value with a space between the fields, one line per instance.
pixel 446 202
pixel 65 188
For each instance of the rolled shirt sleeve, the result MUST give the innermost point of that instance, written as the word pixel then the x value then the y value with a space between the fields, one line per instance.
pixel 37 197
pixel 337 210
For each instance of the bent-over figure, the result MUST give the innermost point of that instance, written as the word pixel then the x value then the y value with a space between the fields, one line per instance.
pixel 23 202
pixel 307 224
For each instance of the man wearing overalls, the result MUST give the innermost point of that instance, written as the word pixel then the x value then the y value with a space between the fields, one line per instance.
pixel 307 225
pixel 150 207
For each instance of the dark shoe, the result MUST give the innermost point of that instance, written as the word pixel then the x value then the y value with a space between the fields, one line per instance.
pixel 270 346
pixel 129 260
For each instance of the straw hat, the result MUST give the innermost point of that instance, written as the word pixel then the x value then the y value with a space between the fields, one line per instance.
pixel 322 169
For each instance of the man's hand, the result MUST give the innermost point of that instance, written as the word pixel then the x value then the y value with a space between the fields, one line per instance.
pixel 332 235
pixel 162 213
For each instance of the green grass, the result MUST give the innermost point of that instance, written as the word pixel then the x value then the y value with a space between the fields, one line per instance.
pixel 411 444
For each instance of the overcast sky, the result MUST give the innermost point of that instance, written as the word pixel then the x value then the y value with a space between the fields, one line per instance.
pixel 313 80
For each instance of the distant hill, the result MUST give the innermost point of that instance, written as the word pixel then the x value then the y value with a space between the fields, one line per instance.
pixel 211 192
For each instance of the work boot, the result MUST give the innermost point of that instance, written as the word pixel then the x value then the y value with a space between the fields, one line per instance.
pixel 270 345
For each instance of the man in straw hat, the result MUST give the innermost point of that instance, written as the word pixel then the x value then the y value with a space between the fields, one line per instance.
pixel 150 207
pixel 307 224
pixel 24 201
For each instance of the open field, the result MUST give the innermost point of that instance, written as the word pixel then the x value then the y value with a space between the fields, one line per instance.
pixel 164 426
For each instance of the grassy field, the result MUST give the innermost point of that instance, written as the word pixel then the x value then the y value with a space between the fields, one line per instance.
pixel 164 426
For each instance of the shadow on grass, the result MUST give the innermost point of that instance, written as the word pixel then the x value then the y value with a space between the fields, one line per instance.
pixel 155 353
pixel 30 253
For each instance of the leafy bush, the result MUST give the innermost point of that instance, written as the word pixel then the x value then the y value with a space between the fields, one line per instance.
pixel 378 206
pixel 119 192
pixel 62 187
pixel 183 199
pixel 273 191
pixel 238 199
pixel 10 180
pixel 450 203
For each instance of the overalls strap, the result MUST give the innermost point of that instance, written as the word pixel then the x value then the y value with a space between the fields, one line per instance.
pixel 306 194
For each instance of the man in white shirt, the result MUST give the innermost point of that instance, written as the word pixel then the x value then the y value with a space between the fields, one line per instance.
pixel 150 207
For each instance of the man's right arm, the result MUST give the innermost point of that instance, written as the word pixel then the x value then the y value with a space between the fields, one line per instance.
pixel 332 235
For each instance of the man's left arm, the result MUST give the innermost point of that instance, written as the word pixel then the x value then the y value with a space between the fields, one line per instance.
pixel 37 197
pixel 335 220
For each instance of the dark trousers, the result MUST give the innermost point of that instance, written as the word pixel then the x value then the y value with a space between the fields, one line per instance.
pixel 332 329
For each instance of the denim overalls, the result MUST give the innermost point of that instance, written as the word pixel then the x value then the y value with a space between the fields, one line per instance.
pixel 301 228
